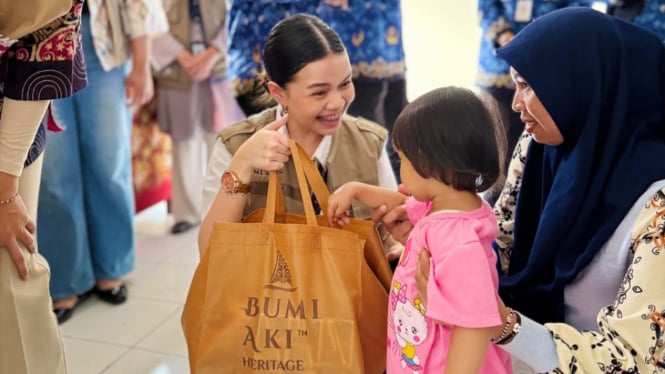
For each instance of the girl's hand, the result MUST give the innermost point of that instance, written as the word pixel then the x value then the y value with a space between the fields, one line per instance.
pixel 266 150
pixel 339 204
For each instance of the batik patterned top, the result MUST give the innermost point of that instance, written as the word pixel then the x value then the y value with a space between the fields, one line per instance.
pixel 5 43
pixel 375 47
pixel 631 335
pixel 44 65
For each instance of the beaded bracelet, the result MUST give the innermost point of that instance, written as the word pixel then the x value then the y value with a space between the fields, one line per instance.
pixel 507 334
pixel 10 200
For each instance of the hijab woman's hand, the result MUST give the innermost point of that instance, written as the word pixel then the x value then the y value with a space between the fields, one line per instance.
pixel 422 275
pixel 396 221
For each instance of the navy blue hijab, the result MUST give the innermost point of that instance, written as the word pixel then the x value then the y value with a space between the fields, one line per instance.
pixel 603 82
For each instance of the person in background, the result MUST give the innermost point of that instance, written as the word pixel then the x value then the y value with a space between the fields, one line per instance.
pixel 376 51
pixel 249 24
pixel 309 76
pixel 581 229
pixel 499 22
pixel 86 210
pixel 449 150
pixel 648 14
pixel 30 341
pixel 190 64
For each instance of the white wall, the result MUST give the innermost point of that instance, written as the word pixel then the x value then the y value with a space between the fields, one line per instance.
pixel 441 44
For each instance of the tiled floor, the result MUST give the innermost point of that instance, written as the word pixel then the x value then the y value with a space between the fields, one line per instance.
pixel 142 336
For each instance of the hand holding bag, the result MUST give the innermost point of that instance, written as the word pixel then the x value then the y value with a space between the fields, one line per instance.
pixel 282 292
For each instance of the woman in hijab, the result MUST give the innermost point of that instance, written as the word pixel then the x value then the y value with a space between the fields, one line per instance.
pixel 586 250
pixel 590 213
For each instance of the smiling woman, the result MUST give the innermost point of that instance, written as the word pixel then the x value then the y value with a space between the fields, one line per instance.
pixel 309 78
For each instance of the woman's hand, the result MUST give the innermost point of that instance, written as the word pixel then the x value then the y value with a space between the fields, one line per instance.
pixel 199 67
pixel 422 275
pixel 17 228
pixel 139 87
pixel 503 312
pixel 396 221
pixel 266 150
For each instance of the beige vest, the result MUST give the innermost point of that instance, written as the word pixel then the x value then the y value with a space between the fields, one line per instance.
pixel 213 14
pixel 354 154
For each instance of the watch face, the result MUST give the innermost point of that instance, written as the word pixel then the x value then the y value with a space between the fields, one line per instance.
pixel 228 182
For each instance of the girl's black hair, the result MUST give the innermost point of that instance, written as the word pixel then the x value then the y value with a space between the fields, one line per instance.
pixel 295 42
pixel 451 135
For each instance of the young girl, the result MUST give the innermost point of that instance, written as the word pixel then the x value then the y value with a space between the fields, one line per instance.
pixel 449 152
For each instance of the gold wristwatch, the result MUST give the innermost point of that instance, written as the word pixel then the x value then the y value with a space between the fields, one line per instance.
pixel 231 184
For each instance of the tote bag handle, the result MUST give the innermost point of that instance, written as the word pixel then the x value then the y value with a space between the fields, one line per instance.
pixel 314 178
pixel 307 172
pixel 275 197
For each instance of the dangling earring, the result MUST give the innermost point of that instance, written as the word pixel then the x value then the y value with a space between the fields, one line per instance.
pixel 479 181
pixel 285 111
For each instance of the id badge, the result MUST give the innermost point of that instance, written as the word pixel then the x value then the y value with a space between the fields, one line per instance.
pixel 523 11
pixel 198 47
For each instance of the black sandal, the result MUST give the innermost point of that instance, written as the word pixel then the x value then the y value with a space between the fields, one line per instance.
pixel 63 314
pixel 116 295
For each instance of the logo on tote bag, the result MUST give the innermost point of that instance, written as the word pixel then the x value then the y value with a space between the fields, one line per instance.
pixel 281 276
pixel 277 308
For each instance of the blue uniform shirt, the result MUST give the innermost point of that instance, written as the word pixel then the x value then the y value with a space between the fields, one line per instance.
pixel 250 21
pixel 497 16
pixel 652 17
pixel 371 31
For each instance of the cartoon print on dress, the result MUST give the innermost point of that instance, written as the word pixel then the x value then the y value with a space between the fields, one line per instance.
pixel 409 326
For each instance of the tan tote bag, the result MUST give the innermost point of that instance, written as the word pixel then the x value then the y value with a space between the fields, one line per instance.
pixel 282 292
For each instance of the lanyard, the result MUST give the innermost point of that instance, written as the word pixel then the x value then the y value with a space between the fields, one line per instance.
pixel 196 29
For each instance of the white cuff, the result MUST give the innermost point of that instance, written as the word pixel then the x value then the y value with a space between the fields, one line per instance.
pixel 534 345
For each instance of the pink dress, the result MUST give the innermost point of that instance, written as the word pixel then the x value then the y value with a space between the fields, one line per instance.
pixel 462 289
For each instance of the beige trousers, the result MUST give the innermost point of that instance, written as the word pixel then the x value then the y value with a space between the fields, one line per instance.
pixel 30 340
pixel 190 158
